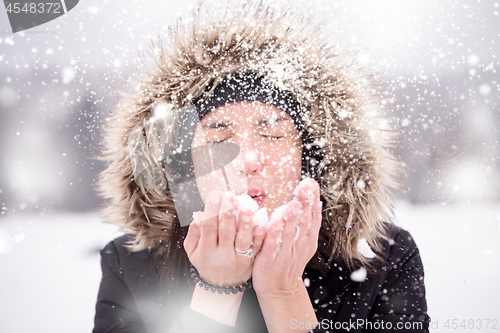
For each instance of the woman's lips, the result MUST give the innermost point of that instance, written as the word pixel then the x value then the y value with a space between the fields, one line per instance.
pixel 259 199
pixel 257 194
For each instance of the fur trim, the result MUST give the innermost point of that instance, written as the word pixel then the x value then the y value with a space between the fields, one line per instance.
pixel 341 108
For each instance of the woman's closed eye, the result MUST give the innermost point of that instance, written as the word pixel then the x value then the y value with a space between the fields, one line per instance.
pixel 218 132
pixel 273 128
pixel 270 137
pixel 216 142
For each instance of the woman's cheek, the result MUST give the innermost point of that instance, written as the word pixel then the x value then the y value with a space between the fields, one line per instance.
pixel 212 182
pixel 281 183
pixel 236 177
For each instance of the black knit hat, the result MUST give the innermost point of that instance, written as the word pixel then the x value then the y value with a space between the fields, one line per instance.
pixel 248 87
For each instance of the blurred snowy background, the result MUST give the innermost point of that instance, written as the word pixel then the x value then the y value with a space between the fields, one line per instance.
pixel 439 63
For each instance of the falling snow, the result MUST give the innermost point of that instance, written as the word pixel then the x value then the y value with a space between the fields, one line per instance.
pixel 359 275
pixel 365 249
pixel 438 61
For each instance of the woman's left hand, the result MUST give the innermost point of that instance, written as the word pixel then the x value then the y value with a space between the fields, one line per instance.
pixel 278 267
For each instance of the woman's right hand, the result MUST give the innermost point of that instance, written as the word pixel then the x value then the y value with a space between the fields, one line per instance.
pixel 211 245
pixel 211 242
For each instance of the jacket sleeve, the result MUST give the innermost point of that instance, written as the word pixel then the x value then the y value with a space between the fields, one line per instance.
pixel 117 312
pixel 401 301
pixel 115 309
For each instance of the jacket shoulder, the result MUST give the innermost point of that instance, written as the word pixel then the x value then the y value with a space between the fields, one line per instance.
pixel 402 296
pixel 117 245
pixel 403 255
pixel 399 240
pixel 115 249
pixel 124 263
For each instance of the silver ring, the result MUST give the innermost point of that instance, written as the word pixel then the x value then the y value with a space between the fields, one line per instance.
pixel 247 253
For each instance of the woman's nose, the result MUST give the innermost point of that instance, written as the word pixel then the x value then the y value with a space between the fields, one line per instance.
pixel 253 161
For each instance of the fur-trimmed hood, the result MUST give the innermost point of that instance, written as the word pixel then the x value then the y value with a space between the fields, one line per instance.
pixel 341 109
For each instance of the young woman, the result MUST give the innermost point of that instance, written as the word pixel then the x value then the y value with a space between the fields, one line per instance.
pixel 277 115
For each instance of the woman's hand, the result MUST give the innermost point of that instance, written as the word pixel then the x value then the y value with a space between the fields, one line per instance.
pixel 211 242
pixel 211 245
pixel 279 266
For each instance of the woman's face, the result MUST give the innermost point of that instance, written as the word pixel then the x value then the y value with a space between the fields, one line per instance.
pixel 268 166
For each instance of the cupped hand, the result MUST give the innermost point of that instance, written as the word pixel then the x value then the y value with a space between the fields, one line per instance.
pixel 289 245
pixel 211 241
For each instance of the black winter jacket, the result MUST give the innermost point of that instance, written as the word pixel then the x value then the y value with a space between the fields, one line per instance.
pixel 130 300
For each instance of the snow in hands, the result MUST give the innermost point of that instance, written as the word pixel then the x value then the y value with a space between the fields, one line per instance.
pixel 261 218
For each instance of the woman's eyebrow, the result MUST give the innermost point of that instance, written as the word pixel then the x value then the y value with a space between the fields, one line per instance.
pixel 269 121
pixel 217 124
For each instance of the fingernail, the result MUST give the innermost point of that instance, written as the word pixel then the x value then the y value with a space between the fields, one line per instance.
pixel 246 216
pixel 294 208
pixel 197 218
pixel 308 194
pixel 259 231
